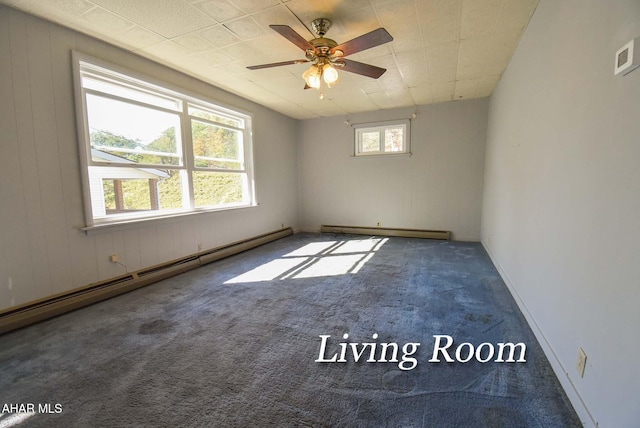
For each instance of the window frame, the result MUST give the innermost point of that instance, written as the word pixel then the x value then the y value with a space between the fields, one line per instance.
pixel 381 127
pixel 84 64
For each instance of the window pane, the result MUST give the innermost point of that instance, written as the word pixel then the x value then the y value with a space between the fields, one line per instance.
pixel 370 141
pixel 216 147
pixel 215 117
pixel 131 190
pixel 393 139
pixel 140 164
pixel 218 188
pixel 127 133
pixel 121 90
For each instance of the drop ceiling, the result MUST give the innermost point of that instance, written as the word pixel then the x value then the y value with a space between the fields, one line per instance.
pixel 443 50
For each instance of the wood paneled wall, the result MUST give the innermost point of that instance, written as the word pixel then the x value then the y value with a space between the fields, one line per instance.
pixel 43 250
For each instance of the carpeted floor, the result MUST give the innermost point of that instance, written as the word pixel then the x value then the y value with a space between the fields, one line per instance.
pixel 234 344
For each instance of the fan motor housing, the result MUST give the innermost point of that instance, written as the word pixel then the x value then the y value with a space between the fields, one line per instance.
pixel 323 44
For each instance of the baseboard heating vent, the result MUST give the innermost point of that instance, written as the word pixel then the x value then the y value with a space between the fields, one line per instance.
pixel 237 247
pixel 39 310
pixel 387 231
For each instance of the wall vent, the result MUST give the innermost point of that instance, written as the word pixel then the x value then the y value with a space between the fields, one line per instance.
pixel 387 231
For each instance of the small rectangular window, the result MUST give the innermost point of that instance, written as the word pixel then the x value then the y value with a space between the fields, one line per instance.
pixel 386 138
pixel 151 151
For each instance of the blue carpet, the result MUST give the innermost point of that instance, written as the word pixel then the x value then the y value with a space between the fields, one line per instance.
pixel 235 344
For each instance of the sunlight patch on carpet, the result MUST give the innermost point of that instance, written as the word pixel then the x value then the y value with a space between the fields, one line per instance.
pixel 317 259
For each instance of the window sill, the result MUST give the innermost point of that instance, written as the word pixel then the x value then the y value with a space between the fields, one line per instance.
pixel 382 155
pixel 136 222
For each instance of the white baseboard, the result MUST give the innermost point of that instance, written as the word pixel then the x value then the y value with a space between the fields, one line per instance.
pixel 586 418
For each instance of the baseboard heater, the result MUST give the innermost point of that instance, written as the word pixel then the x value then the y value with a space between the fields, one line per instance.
pixel 30 313
pixel 387 231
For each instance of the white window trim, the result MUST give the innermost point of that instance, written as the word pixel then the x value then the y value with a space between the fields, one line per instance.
pixel 187 97
pixel 381 126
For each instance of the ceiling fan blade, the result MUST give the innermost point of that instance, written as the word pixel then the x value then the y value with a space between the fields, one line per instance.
pixel 361 68
pixel 295 38
pixel 277 64
pixel 366 41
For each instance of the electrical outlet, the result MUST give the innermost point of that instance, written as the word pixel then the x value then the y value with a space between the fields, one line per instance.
pixel 114 258
pixel 282 226
pixel 378 224
pixel 582 362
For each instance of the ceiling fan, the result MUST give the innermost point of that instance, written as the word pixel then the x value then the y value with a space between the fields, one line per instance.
pixel 326 55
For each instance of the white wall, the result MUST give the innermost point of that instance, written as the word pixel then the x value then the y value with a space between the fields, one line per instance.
pixel 43 252
pixel 561 211
pixel 438 187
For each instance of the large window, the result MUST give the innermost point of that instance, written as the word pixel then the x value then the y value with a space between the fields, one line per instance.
pixel 150 151
pixel 385 138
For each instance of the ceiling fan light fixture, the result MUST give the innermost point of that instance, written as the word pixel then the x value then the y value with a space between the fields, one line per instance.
pixel 329 74
pixel 312 76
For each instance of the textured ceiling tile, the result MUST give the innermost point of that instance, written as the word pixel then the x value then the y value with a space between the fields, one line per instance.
pixel 98 17
pixel 273 73
pixel 439 20
pixel 278 48
pixel 414 74
pixel 345 7
pixel 356 104
pixel 385 61
pixel 368 54
pixel 137 37
pixel 392 80
pixel 285 81
pixel 279 15
pixel 245 28
pixel 326 108
pixel 502 47
pixel 196 61
pixel 367 85
pixel 232 69
pixel 479 17
pixel 217 56
pixel 357 14
pixel 442 61
pixel 166 50
pixel 58 8
pixel 421 94
pixel 220 10
pixel 245 52
pixel 465 89
pixel 193 43
pixel 380 99
pixel 403 44
pixel 289 93
pixel 308 10
pixel 442 91
pixel 401 97
pixel 515 15
pixel 436 43
pixel 398 12
pixel 219 36
pixel 472 56
pixel 415 56
pixel 250 6
pixel 169 18
pixel 264 94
